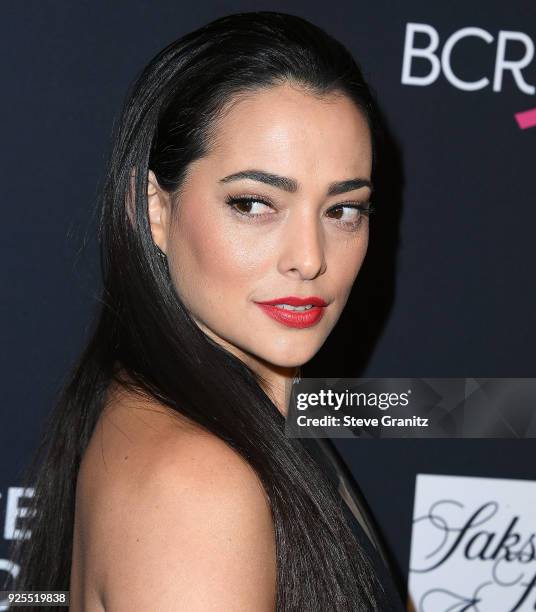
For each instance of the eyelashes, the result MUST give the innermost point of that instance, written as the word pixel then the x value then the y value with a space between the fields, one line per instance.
pixel 235 202
pixel 254 209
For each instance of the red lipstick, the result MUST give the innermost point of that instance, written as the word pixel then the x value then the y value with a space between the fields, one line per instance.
pixel 291 317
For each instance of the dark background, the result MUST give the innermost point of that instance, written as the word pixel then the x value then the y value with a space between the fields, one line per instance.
pixel 447 288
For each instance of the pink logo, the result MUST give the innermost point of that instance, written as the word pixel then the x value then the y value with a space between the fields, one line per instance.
pixel 526 119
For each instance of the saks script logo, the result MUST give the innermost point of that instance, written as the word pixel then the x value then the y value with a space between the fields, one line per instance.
pixel 440 62
pixel 509 552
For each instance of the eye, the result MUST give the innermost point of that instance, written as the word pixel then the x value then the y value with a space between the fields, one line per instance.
pixel 250 206
pixel 350 215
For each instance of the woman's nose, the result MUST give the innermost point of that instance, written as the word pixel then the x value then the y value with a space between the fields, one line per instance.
pixel 302 248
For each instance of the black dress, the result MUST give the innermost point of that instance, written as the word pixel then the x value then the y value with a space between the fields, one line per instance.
pixel 326 456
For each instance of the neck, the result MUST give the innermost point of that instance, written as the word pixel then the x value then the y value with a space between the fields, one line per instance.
pixel 276 381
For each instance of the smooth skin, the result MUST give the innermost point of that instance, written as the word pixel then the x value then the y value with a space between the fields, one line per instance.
pixel 168 517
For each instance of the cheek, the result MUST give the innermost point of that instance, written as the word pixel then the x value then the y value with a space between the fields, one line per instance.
pixel 347 258
pixel 212 259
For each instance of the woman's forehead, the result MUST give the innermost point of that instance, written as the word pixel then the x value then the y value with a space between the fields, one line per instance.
pixel 283 127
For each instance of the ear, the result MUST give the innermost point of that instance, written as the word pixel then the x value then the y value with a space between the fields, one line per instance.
pixel 158 210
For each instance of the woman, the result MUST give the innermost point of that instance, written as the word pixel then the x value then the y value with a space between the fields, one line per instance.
pixel 234 222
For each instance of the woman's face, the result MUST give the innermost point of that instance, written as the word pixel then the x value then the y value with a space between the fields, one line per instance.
pixel 273 211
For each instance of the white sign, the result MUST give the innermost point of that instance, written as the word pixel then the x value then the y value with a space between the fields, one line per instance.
pixel 473 545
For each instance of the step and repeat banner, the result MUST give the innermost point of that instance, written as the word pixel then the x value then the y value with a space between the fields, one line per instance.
pixel 445 303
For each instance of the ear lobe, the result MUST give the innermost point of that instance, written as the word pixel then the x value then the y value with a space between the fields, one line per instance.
pixel 157 208
pixel 157 203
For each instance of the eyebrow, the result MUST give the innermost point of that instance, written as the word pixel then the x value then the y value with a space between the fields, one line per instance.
pixel 291 185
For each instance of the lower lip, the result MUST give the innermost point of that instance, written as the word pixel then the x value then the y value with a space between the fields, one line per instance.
pixel 294 318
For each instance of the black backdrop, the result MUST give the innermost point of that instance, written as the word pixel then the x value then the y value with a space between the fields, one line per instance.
pixel 447 288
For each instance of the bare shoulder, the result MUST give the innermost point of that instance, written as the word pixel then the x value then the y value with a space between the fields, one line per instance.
pixel 184 523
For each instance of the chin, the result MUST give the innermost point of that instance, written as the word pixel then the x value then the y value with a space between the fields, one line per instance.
pixel 289 359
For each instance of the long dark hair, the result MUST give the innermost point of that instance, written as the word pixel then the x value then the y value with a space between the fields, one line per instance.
pixel 144 330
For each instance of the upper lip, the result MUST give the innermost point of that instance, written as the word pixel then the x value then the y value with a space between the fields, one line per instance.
pixel 293 300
